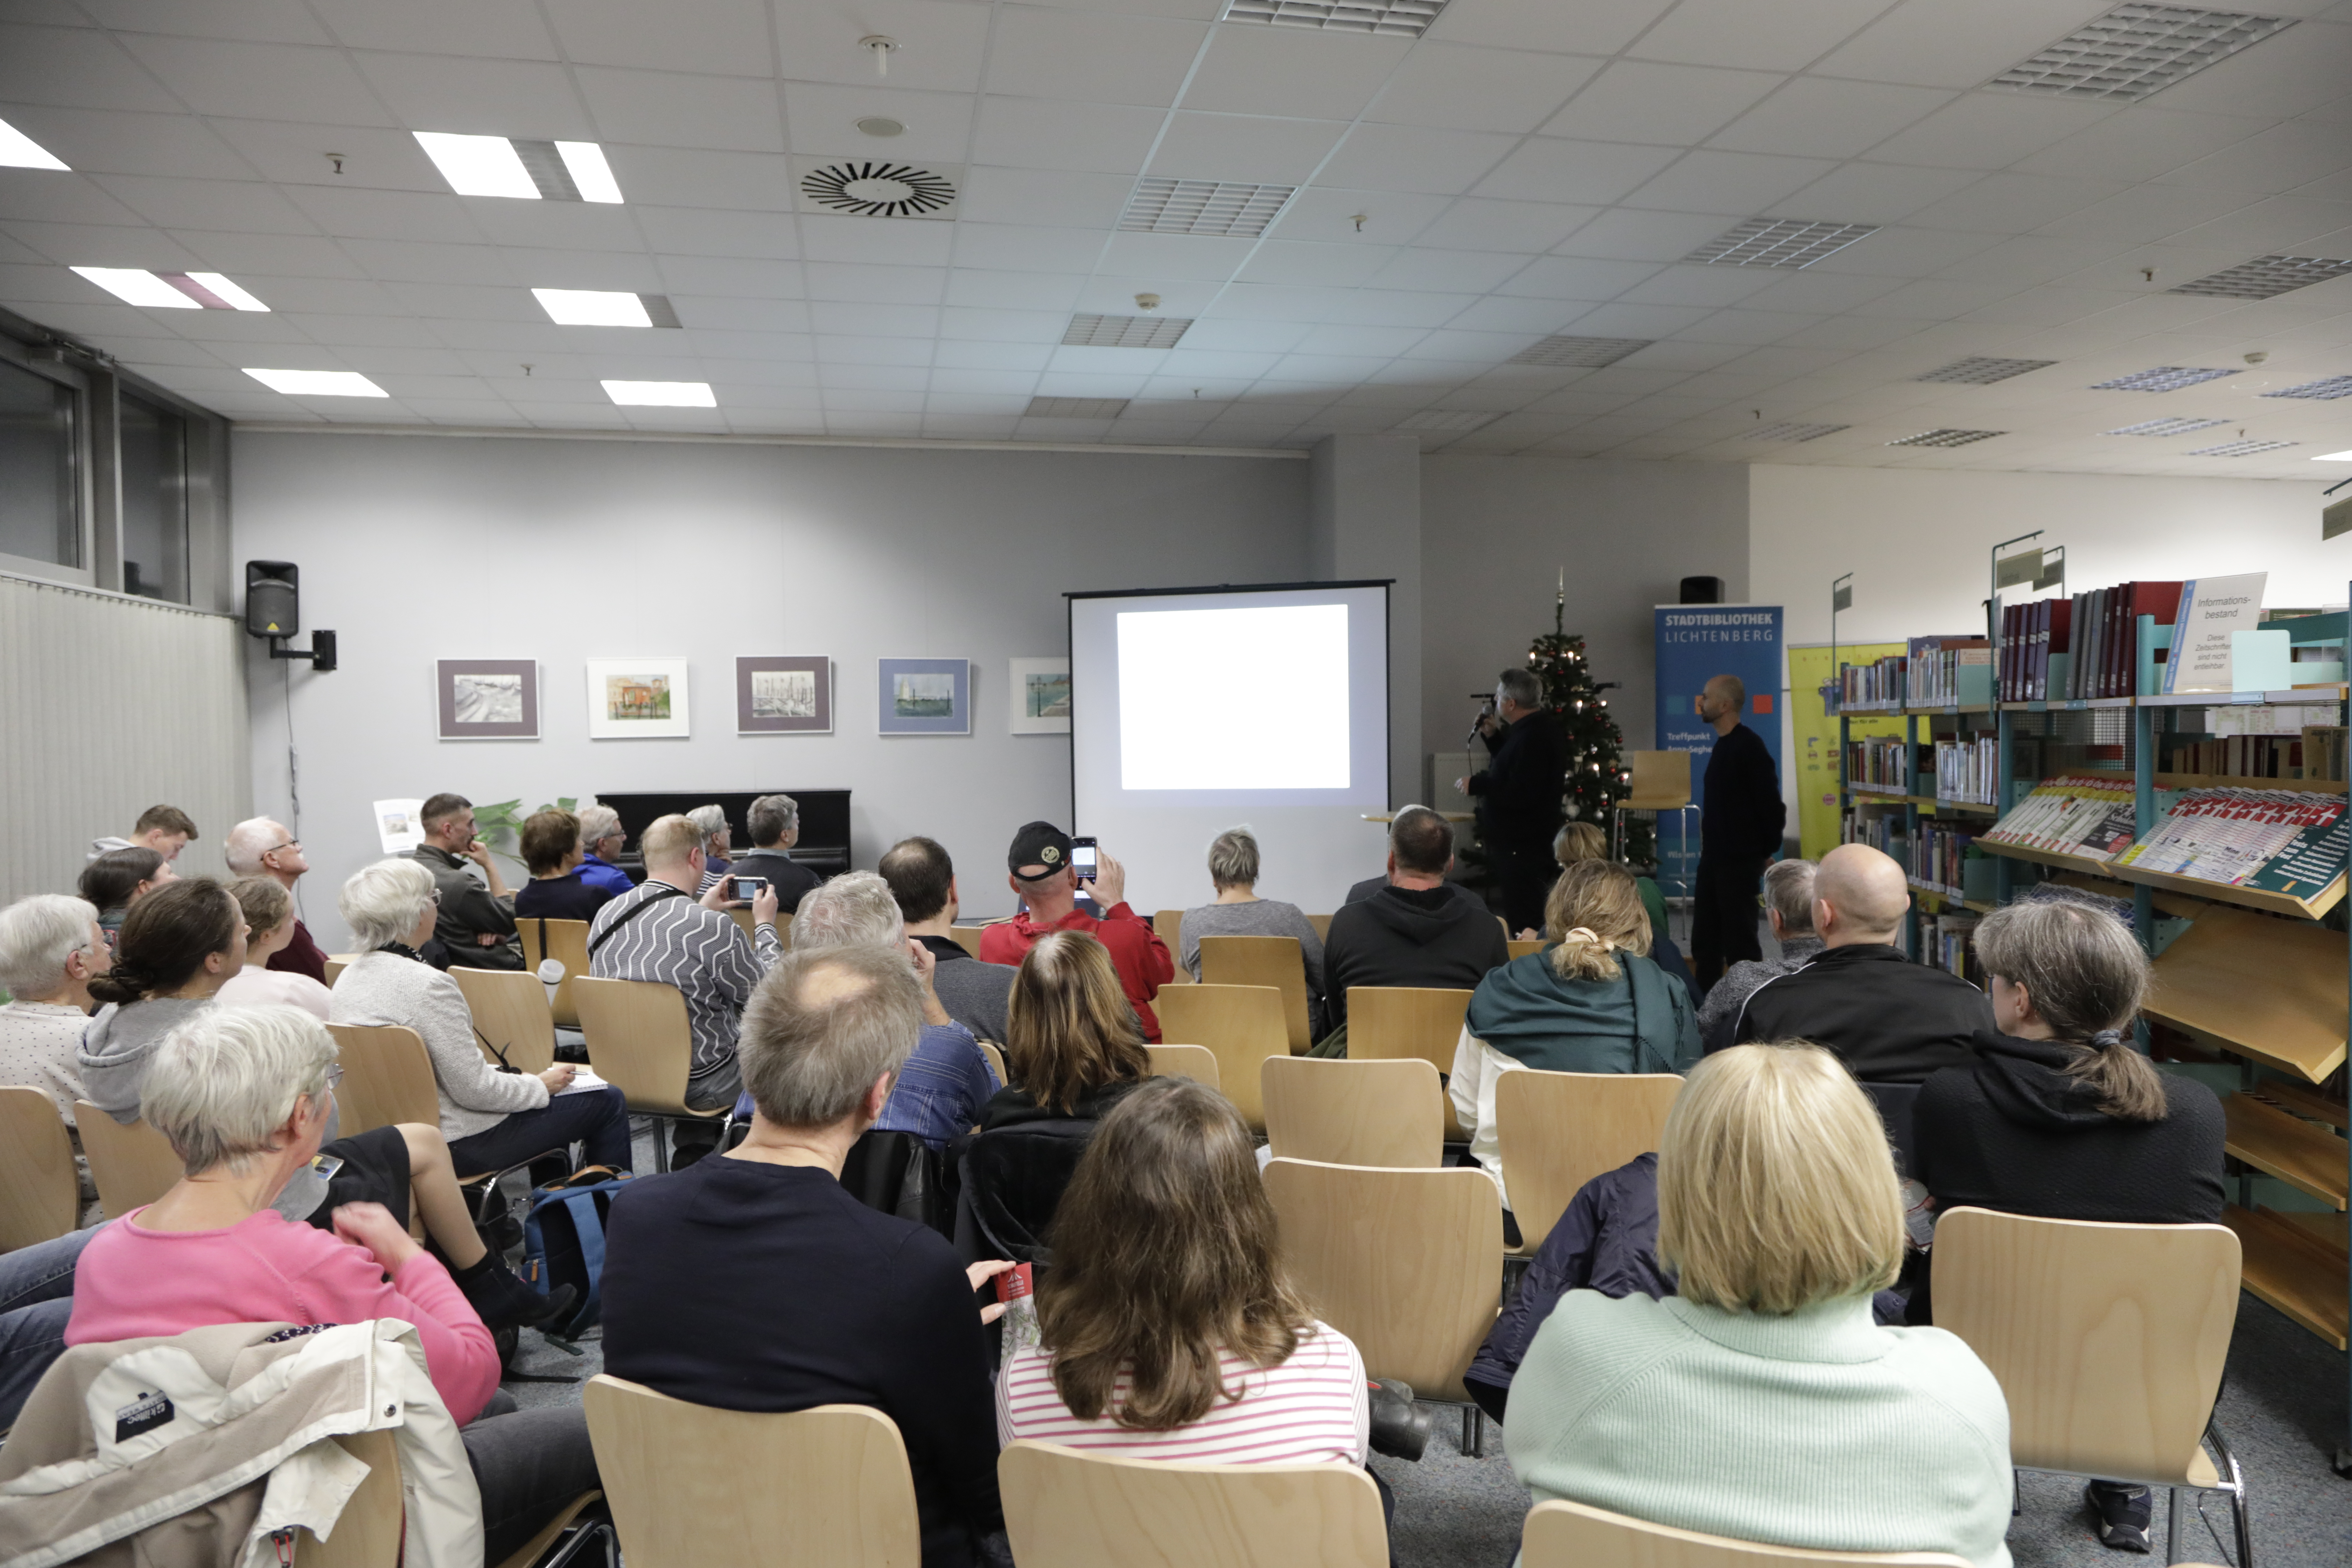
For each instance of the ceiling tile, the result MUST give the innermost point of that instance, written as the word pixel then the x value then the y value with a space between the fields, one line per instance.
pixel 289 152
pixel 387 214
pixel 1039 52
pixel 1293 71
pixel 1936 299
pixel 904 242
pixel 1932 43
pixel 699 177
pixel 1700 286
pixel 1017 249
pixel 554 225
pixel 512 29
pixel 2292 226
pixel 1738 33
pixel 1394 308
pixel 1711 181
pixel 1871 193
pixel 942 42
pixel 2139 145
pixel 247 206
pixel 259 81
pixel 662 108
pixel 742 276
pixel 76 67
pixel 1528 228
pixel 1506 313
pixel 2278 159
pixel 698 231
pixel 1745 327
pixel 1031 133
pixel 107 141
pixel 1280 262
pixel 1243 147
pixel 725 37
pixel 1624 321
pixel 1458 87
pixel 478 98
pixel 1807 289
pixel 2147 213
pixel 1463 271
pixel 1635 100
pixel 823 121
pixel 1390 217
pixel 729 316
pixel 1548 169
pixel 1405 158
pixel 266 255
pixel 2294 72
pixel 1578 278
pixel 874 320
pixel 992 356
pixel 46 195
pixel 1989 130
pixel 1175 256
pixel 1904 252
pixel 1013 290
pixel 1816 118
pixel 2012 203
pixel 251 21
pixel 1631 235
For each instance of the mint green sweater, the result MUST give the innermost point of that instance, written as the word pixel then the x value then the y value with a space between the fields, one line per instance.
pixel 1818 1429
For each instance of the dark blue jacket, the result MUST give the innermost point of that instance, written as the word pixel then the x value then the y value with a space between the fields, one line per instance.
pixel 1607 1241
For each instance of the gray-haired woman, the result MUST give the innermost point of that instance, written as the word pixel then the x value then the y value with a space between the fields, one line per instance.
pixel 1239 911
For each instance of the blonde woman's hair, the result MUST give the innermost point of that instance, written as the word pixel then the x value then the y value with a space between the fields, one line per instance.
pixel 267 905
pixel 1595 909
pixel 1580 841
pixel 1776 1189
pixel 1069 1026
pixel 1233 859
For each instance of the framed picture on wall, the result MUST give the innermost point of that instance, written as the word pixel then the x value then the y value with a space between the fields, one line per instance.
pixel 1041 696
pixel 926 696
pixel 643 698
pixel 783 696
pixel 487 699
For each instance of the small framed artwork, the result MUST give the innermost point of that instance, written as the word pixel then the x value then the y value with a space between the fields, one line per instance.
pixel 1041 696
pixel 638 698
pixel 926 696
pixel 487 699
pixel 783 696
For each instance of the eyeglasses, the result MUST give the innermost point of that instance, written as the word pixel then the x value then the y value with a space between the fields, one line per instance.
pixel 334 1074
pixel 290 844
pixel 436 895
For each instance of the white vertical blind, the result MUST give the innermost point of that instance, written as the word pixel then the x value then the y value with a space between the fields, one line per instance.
pixel 110 705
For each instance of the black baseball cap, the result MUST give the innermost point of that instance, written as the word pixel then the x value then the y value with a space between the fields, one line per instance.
pixel 1038 844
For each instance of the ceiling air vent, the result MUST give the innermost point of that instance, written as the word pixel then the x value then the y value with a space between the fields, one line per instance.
pixel 2266 275
pixel 1074 408
pixel 1585 353
pixel 1779 242
pixel 2240 448
pixel 1125 331
pixel 1453 419
pixel 2163 378
pixel 1946 437
pixel 2326 391
pixel 876 187
pixel 1392 18
pixel 1976 371
pixel 1788 432
pixel 2136 50
pixel 2165 428
pixel 1204 206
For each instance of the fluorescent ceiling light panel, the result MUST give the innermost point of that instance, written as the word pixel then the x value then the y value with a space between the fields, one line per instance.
pixel 2342 456
pixel 2326 391
pixel 1204 206
pixel 226 293
pixel 478 165
pixel 585 160
pixel 1786 431
pixel 318 383
pixel 1074 408
pixel 2240 449
pixel 137 286
pixel 1976 371
pixel 1946 437
pixel 1584 354
pixel 1778 242
pixel 1090 332
pixel 661 393
pixel 2266 277
pixel 2165 428
pixel 606 308
pixel 2162 378
pixel 2138 50
pixel 1454 420
pixel 18 151
pixel 1393 18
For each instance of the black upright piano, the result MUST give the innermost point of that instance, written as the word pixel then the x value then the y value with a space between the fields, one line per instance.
pixel 824 846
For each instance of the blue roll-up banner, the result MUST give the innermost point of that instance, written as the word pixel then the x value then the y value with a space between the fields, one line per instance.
pixel 1696 643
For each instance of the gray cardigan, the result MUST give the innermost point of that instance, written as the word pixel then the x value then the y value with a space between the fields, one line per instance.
pixel 1264 917
pixel 385 988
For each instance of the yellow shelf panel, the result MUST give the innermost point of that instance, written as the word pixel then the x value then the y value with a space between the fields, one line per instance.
pixel 2272 990
pixel 2309 1159
pixel 2291 1268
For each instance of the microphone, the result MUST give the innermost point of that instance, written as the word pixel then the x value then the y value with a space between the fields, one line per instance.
pixel 551 975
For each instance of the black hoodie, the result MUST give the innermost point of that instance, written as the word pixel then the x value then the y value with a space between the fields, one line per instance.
pixel 1409 936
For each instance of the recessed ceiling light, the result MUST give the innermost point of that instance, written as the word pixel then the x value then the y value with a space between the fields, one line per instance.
pixel 2265 276
pixel 1395 19
pixel 1091 332
pixel 2326 391
pixel 318 383
pixel 2135 50
pixel 2342 456
pixel 137 286
pixel 590 176
pixel 214 292
pixel 661 393
pixel 606 308
pixel 18 151
pixel 1447 419
pixel 1586 354
pixel 1976 371
pixel 1204 206
pixel 1946 437
pixel 881 125
pixel 1788 431
pixel 2165 428
pixel 1074 408
pixel 2163 378
pixel 478 165
pixel 2240 449
pixel 1779 242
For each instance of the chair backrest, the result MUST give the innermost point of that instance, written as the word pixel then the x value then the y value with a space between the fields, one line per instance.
pixel 336 963
pixel 1068 1508
pixel 1561 1534
pixel 2108 1340
pixel 995 1055
pixel 132 1166
pixel 968 938
pixel 1276 960
pixel 690 1485
pixel 1661 779
pixel 1408 1264
pixel 1389 1113
pixel 1557 1131
pixel 1522 946
pixel 39 1198
pixel 367 1532
pixel 1169 926
pixel 1385 1022
pixel 388 1078
pixel 638 1038
pixel 1198 1063
pixel 566 942
pixel 1322 924
pixel 1241 1024
pixel 511 1012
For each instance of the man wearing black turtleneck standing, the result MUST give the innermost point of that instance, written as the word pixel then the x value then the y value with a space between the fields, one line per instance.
pixel 1741 822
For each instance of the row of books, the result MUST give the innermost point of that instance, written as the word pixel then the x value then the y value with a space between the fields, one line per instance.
pixel 1934 856
pixel 2290 841
pixel 1948 672
pixel 1946 942
pixel 1875 687
pixel 1880 764
pixel 2246 757
pixel 1968 770
pixel 2087 814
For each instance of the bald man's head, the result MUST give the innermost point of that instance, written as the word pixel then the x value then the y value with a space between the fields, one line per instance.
pixel 1728 688
pixel 1859 896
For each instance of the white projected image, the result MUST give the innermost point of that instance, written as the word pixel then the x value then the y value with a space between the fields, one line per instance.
pixel 1253 698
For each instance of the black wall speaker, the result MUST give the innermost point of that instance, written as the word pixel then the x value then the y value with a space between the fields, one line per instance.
pixel 1695 590
pixel 273 598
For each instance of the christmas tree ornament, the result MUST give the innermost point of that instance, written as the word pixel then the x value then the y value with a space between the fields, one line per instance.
pixel 1598 777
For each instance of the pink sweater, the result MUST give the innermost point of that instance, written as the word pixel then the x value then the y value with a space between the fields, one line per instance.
pixel 134 1283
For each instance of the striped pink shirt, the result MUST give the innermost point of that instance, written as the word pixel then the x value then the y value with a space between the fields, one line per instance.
pixel 1314 1408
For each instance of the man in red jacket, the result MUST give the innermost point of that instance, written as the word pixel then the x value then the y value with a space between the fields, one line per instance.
pixel 1040 863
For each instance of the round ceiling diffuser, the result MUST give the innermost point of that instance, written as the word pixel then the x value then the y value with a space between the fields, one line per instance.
pixel 877 189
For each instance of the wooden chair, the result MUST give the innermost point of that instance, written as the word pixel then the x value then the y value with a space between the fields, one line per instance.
pixel 511 1013
pixel 690 1485
pixel 1067 1509
pixel 1520 947
pixel 1386 1021
pixel 388 1078
pixel 995 1055
pixel 1322 924
pixel 336 963
pixel 1198 1063
pixel 2109 1341
pixel 1389 1113
pixel 1408 1264
pixel 1561 1534
pixel 750 928
pixel 1169 926
pixel 1557 1131
pixel 1242 1025
pixel 132 1166
pixel 1276 960
pixel 40 1199
pixel 566 942
pixel 367 1534
pixel 638 1038
pixel 1661 783
pixel 968 938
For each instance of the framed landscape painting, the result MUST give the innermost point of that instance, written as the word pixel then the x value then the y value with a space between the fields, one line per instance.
pixel 638 698
pixel 783 696
pixel 926 696
pixel 487 699
pixel 1041 696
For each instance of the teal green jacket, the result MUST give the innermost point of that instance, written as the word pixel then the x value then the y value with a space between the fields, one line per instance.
pixel 1640 1022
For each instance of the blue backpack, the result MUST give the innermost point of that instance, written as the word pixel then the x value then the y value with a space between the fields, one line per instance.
pixel 564 1243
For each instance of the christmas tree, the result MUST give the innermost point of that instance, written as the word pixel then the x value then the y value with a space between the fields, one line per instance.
pixel 1597 777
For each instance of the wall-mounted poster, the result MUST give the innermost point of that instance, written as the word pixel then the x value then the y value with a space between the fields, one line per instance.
pixel 397 824
pixel 783 696
pixel 926 696
pixel 1041 696
pixel 487 699
pixel 636 699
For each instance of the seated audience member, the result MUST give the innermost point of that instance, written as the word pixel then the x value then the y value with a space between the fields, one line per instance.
pixel 712 820
pixel 1780 1214
pixel 166 829
pixel 477 923
pixel 260 847
pixel 1592 1002
pixel 938 1094
pixel 1168 1327
pixel 2060 1116
pixel 1239 911
pixel 269 926
pixel 1041 879
pixel 120 878
pixel 600 842
pixel 551 848
pixel 923 878
pixel 50 949
pixel 1789 905
pixel 658 931
pixel 1073 1051
pixel 492 1118
pixel 800 1294
pixel 245 1095
pixel 176 949
pixel 1583 841
pixel 774 821
pixel 1415 931
pixel 1888 1019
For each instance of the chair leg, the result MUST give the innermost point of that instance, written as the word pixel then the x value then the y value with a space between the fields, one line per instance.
pixel 2234 1481
pixel 661 1144
pixel 2172 1527
pixel 1474 1432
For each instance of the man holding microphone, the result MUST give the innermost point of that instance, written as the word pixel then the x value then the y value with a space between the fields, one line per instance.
pixel 1519 796
pixel 1741 818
